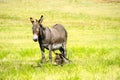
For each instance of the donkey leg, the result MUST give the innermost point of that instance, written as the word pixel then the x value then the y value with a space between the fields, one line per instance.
pixel 64 48
pixel 50 53
pixel 61 50
pixel 42 54
pixel 50 56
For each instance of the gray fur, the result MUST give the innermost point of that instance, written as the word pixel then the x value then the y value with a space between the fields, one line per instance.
pixel 54 38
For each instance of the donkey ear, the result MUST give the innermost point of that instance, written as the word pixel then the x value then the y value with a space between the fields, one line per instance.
pixel 41 19
pixel 31 19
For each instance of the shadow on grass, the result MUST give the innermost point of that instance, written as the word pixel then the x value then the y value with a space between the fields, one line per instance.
pixel 19 64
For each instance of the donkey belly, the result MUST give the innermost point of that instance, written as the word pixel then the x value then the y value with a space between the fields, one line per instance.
pixel 56 46
pixel 53 46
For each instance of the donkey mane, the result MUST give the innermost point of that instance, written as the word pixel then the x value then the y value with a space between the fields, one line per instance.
pixel 42 29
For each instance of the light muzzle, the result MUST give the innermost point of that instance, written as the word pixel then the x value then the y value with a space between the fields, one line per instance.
pixel 35 37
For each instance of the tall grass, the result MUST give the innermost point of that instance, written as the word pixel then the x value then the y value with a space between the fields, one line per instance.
pixel 93 43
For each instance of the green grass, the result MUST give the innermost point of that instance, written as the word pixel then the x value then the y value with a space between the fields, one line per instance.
pixel 93 43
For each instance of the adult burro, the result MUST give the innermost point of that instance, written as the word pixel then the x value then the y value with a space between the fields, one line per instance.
pixel 52 39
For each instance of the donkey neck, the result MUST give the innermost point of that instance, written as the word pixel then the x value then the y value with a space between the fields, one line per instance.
pixel 41 29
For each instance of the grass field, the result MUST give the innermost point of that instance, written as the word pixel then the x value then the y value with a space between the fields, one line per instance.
pixel 93 43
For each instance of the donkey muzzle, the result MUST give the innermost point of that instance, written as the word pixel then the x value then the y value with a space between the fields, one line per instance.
pixel 35 37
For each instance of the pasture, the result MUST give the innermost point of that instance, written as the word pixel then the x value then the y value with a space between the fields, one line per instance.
pixel 93 43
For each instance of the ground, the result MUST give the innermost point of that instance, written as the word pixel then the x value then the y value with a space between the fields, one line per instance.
pixel 93 44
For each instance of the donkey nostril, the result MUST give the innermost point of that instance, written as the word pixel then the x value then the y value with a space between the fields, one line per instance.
pixel 35 37
pixel 35 40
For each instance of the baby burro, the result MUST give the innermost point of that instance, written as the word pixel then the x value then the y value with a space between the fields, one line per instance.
pixel 60 59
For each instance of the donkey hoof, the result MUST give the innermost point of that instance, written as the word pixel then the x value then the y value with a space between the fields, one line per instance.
pixel 42 61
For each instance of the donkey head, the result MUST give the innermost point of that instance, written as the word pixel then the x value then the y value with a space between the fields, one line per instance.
pixel 36 27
